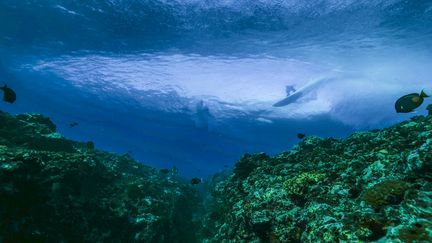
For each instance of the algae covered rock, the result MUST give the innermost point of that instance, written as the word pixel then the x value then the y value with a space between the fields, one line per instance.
pixel 247 164
pixel 57 190
pixel 299 184
pixel 386 193
pixel 41 123
pixel 35 132
pixel 372 186
pixel 418 232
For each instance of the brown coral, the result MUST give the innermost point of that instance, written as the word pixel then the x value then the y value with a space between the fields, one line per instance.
pixel 389 192
pixel 416 233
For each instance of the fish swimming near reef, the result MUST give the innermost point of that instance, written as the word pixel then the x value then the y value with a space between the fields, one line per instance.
pixel 195 181
pixel 301 135
pixel 73 124
pixel 410 102
pixel 8 94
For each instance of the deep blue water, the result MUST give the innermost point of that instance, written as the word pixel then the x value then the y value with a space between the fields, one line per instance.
pixel 191 83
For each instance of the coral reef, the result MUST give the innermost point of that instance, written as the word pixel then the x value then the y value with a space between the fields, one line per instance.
pixel 372 186
pixel 57 190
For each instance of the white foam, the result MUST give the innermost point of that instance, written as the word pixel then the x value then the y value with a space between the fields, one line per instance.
pixel 358 91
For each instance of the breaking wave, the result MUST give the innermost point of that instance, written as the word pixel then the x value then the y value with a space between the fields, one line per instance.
pixel 201 76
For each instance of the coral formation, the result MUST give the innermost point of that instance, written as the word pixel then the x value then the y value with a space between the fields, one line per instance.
pixel 57 190
pixel 247 164
pixel 386 193
pixel 372 186
pixel 298 184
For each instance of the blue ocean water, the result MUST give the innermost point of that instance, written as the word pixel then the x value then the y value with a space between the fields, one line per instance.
pixel 192 83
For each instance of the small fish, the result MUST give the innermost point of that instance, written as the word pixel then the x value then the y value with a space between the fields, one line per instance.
pixel 409 102
pixel 164 171
pixel 301 135
pixel 9 95
pixel 73 124
pixel 195 181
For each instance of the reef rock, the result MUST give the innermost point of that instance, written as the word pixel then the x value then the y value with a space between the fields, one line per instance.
pixel 371 186
pixel 57 190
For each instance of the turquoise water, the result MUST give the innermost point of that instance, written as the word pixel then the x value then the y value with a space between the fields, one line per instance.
pixel 192 83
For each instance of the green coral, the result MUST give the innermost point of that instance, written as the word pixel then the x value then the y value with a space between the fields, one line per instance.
pixel 299 184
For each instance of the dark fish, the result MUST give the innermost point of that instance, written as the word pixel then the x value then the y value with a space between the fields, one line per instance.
pixel 73 124
pixel 164 171
pixel 301 135
pixel 195 181
pixel 9 95
pixel 409 102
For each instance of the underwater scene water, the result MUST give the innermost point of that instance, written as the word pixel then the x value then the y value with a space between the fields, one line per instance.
pixel 215 121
